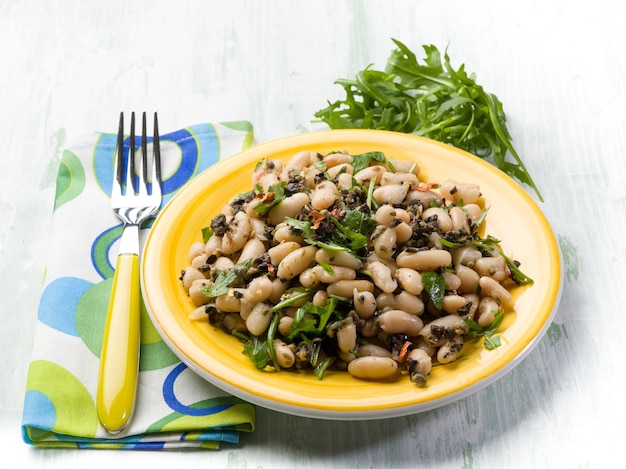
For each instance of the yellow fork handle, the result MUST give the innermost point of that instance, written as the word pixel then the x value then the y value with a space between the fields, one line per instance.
pixel 119 358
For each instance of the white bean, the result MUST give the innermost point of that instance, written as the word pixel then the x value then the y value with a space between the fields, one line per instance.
pixel 385 243
pixel 373 367
pixel 469 278
pixel 392 194
pixel 490 287
pixel 284 232
pixel 252 249
pixel 459 221
pixel 196 249
pixel 457 192
pixel 396 321
pixel 426 198
pixel 284 355
pixel 429 260
pixel 412 304
pixel 440 216
pixel 336 273
pixel 371 173
pixel 381 276
pixel 494 267
pixel 308 278
pixel 346 335
pixel 486 311
pixel 284 325
pixel 229 302
pixel 410 280
pixel 195 292
pixel 364 303
pixel 296 262
pixel 419 365
pixel 288 207
pixel 453 303
pixel 466 255
pixel 344 288
pixel 334 159
pixel 404 232
pixel 400 179
pixel 278 252
pixel 372 350
pixel 279 288
pixel 452 281
pixel 258 229
pixel 259 289
pixel 324 195
pixel 449 351
pixel 213 245
pixel 190 275
pixel 237 234
pixel 259 318
pixel 320 297
pixel 343 168
pixel 342 258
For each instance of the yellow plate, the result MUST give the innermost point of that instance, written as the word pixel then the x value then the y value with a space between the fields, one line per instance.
pixel 513 217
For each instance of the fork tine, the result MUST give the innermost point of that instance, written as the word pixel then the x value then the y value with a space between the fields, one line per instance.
pixel 144 154
pixel 119 160
pixel 130 167
pixel 156 149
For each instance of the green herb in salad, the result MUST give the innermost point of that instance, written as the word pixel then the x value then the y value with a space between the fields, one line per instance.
pixel 432 100
pixel 491 341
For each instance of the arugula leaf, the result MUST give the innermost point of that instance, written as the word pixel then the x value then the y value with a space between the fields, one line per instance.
pixel 278 191
pixel 491 341
pixel 271 333
pixel 518 276
pixel 363 160
pixel 224 280
pixel 353 227
pixel 429 99
pixel 257 349
pixel 359 222
pixel 321 368
pixel 207 232
pixel 435 286
pixel 313 326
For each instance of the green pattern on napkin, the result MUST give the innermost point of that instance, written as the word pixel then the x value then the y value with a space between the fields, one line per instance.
pixel 175 407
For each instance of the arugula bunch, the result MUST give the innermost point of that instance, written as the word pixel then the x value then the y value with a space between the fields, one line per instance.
pixel 432 100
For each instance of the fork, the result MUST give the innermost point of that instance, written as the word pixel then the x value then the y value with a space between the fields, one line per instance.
pixel 133 201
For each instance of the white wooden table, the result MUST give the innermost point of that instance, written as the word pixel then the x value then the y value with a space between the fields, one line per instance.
pixel 69 67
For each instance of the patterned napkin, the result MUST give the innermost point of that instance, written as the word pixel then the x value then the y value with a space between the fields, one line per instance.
pixel 175 408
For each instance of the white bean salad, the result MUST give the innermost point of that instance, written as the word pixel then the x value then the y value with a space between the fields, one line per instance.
pixel 344 262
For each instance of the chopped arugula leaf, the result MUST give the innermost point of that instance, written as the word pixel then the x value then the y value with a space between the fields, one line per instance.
pixel 224 280
pixel 207 232
pixel 320 370
pixel 518 276
pixel 271 333
pixel 277 192
pixel 435 286
pixel 257 350
pixel 491 341
pixel 309 326
pixel 290 299
pixel 363 160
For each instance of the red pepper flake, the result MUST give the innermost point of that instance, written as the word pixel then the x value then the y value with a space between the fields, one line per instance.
pixel 426 186
pixel 338 213
pixel 317 218
pixel 268 198
pixel 404 351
